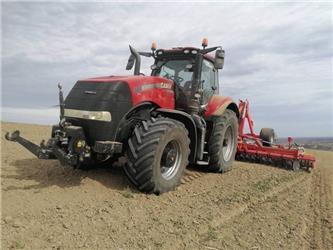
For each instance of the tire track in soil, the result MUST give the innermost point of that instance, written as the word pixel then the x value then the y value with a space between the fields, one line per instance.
pixel 193 174
pixel 239 210
pixel 282 194
pixel 326 220
pixel 320 203
pixel 190 175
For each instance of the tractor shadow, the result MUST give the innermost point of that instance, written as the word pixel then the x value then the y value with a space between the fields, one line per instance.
pixel 48 173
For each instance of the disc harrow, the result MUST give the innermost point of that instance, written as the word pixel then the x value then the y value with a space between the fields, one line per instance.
pixel 250 147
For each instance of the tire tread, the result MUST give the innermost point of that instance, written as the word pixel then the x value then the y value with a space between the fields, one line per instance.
pixel 142 147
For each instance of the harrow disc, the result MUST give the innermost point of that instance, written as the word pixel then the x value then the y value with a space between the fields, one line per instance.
pixel 296 165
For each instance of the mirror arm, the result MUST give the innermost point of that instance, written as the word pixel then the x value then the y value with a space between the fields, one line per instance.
pixel 208 50
pixel 137 60
pixel 146 54
pixel 130 62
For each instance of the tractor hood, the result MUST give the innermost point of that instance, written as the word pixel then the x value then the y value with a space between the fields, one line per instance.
pixel 132 80
pixel 155 89
pixel 98 104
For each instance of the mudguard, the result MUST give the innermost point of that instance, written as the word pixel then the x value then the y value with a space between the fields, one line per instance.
pixel 218 104
pixel 155 89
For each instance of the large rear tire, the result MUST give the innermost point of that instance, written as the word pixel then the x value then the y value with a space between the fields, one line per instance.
pixel 222 144
pixel 158 152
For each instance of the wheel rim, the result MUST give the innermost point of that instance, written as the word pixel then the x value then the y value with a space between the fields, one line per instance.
pixel 228 144
pixel 171 160
pixel 271 140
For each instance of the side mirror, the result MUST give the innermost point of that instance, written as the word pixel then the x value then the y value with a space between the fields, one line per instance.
pixel 153 67
pixel 219 59
pixel 189 66
pixel 130 62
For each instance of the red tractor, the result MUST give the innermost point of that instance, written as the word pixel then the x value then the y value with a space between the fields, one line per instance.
pixel 162 122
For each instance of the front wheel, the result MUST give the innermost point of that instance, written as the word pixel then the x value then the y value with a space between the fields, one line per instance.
pixel 222 144
pixel 158 152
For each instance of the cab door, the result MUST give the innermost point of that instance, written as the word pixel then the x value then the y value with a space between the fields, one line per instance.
pixel 209 78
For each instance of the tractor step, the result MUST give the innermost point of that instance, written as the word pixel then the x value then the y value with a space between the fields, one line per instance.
pixel 106 147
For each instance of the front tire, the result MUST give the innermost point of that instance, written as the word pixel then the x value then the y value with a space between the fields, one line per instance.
pixel 158 152
pixel 222 144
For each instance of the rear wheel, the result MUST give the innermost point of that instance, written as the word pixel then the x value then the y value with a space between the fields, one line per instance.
pixel 157 154
pixel 222 143
pixel 267 135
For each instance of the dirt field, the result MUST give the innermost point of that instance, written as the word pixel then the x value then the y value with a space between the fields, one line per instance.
pixel 48 206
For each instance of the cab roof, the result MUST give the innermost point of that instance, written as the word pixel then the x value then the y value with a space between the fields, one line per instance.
pixel 182 51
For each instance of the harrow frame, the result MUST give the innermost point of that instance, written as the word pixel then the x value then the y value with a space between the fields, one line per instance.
pixel 250 147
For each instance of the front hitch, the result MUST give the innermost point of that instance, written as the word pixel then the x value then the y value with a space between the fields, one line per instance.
pixel 50 150
pixel 67 144
pixel 42 152
pixel 12 136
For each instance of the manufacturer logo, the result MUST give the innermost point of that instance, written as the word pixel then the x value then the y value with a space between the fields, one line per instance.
pixel 160 85
pixel 89 92
pixel 165 85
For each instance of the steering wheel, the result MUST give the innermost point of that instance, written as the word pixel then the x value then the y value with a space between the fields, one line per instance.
pixel 187 86
pixel 177 79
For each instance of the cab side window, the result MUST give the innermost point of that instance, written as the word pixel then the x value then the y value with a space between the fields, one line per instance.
pixel 208 78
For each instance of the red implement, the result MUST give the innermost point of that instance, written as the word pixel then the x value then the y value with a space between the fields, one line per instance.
pixel 252 147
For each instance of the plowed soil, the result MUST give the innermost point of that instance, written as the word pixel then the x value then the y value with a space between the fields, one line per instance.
pixel 48 206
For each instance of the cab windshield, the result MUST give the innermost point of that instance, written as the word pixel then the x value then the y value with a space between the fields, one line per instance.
pixel 176 70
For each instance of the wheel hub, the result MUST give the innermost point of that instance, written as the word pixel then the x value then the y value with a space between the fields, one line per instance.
pixel 228 144
pixel 171 159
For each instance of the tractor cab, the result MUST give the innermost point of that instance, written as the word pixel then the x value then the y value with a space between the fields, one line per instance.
pixel 193 70
pixel 179 65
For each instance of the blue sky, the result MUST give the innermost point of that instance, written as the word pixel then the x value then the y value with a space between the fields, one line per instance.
pixel 278 55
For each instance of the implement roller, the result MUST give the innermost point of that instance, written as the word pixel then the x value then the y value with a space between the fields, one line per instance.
pixel 262 148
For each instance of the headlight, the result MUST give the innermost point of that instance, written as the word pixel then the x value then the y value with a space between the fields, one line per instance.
pixel 89 115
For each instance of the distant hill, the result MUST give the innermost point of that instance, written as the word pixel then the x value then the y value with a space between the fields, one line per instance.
pixel 320 143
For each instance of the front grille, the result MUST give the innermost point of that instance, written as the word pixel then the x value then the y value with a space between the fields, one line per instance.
pixel 114 97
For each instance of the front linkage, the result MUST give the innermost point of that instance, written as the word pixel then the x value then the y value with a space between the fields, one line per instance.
pixel 57 147
pixel 68 143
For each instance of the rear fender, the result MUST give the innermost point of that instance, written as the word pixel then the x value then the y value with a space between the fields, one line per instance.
pixel 187 120
pixel 218 104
